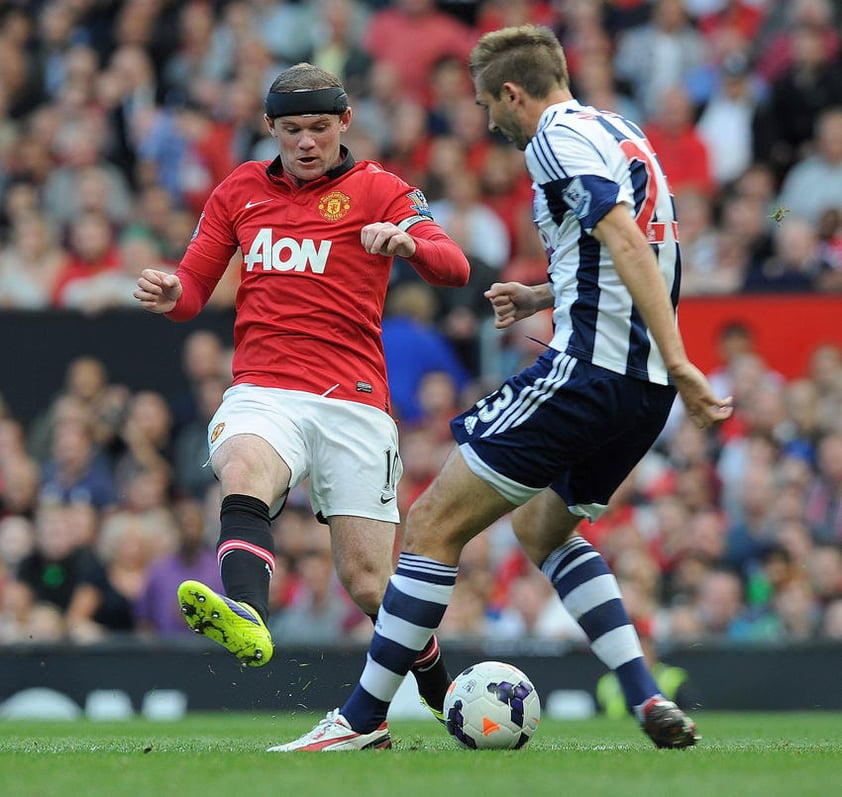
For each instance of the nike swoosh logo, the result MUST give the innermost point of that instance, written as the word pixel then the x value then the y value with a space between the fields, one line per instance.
pixel 251 204
pixel 385 500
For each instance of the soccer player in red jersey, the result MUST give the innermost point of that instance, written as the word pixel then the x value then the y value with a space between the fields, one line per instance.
pixel 318 232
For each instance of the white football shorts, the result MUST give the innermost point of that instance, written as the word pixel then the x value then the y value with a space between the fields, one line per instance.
pixel 348 450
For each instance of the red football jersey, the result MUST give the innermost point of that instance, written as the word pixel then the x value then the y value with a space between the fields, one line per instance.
pixel 310 302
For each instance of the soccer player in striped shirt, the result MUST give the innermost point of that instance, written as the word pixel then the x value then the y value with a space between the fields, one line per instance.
pixel 555 440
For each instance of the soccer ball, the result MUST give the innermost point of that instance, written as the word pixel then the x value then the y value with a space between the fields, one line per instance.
pixel 492 706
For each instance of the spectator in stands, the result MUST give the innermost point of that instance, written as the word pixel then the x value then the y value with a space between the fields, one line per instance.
pixel 725 124
pixel 797 610
pixel 678 144
pixel 93 251
pixel 20 475
pixel 240 108
pixel 408 327
pixel 825 371
pixel 17 541
pixel 75 469
pixel 154 609
pixel 55 570
pixel 202 357
pixel 801 432
pixel 775 43
pixel 832 622
pixel 321 611
pixel 701 269
pixel 534 611
pixel 190 441
pixel 596 85
pixel 78 147
pixel 824 569
pixel 723 612
pixel 469 125
pixel 795 263
pixel 154 209
pixel 21 79
pixel 413 35
pixel 30 264
pixel 659 54
pixel 745 217
pixel 506 189
pixel 751 533
pixel 472 224
pixel 381 104
pixel 129 92
pixel 830 245
pixel 449 86
pixel 145 439
pixel 337 42
pixel 824 500
pixel 495 14
pixel 407 152
pixel 814 184
pixel 786 124
pixel 104 604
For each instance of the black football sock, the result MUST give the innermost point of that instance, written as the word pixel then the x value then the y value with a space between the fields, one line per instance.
pixel 431 675
pixel 246 551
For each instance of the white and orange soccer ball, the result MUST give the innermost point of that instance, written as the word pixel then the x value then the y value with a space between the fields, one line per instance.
pixel 492 706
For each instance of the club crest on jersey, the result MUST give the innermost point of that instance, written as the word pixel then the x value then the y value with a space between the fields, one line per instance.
pixel 217 430
pixel 419 203
pixel 577 197
pixel 334 206
pixel 198 224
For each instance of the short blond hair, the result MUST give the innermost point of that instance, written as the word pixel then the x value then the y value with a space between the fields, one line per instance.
pixel 529 55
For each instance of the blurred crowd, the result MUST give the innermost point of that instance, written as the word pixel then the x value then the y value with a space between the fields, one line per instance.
pixel 120 116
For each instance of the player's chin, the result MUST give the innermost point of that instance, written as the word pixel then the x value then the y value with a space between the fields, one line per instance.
pixel 309 170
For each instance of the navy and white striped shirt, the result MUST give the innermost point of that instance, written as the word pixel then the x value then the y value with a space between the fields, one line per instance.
pixel 583 162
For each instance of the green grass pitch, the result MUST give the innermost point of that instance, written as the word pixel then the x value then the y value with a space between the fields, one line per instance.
pixel 222 755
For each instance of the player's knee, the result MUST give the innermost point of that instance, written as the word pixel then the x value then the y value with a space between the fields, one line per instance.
pixel 420 523
pixel 430 532
pixel 539 539
pixel 366 588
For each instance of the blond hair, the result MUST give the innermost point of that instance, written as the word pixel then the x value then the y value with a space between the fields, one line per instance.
pixel 529 55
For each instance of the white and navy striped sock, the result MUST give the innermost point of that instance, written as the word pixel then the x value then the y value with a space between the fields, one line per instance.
pixel 413 606
pixel 589 591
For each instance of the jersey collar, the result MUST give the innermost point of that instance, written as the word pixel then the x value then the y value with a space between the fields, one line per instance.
pixel 551 111
pixel 346 162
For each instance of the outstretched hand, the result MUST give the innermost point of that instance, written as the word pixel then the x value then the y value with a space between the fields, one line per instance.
pixel 703 407
pixel 513 301
pixel 157 291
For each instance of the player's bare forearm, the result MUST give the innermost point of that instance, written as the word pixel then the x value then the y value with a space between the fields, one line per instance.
pixel 513 301
pixel 638 269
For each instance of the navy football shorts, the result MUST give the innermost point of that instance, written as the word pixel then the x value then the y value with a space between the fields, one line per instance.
pixel 565 424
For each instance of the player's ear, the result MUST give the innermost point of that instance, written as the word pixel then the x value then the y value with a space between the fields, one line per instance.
pixel 270 125
pixel 511 91
pixel 345 120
